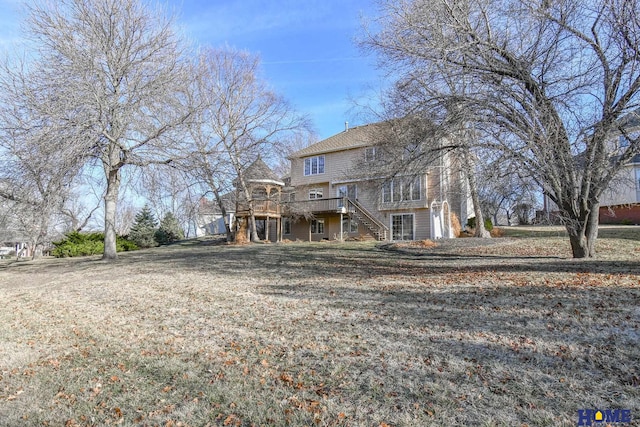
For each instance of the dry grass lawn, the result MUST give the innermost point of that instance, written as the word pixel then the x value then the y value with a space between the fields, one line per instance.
pixel 500 332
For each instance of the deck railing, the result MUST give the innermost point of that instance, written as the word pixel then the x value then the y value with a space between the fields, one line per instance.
pixel 334 204
pixel 261 207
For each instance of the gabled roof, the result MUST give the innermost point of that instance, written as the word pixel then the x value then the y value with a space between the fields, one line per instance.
pixel 356 137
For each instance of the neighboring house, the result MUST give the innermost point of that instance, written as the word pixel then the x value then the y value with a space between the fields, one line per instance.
pixel 210 221
pixel 620 203
pixel 328 196
pixel 13 238
pixel 13 246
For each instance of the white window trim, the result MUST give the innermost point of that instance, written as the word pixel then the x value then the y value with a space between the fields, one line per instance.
pixel 318 193
pixel 370 154
pixel 309 171
pixel 349 225
pixel 346 187
pixel 401 181
pixel 317 221
pixel 413 223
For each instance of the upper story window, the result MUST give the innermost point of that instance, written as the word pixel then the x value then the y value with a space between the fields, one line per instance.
pixel 369 154
pixel 313 165
pixel 402 190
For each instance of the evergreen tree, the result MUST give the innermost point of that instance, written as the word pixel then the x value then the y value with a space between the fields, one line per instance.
pixel 169 231
pixel 144 229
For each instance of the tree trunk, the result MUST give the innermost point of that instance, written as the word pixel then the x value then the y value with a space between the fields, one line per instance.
pixel 241 230
pixel 110 205
pixel 249 198
pixel 252 224
pixel 38 242
pixel 583 233
pixel 592 229
pixel 32 250
pixel 473 190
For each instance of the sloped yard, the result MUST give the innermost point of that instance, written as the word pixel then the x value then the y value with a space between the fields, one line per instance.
pixel 502 332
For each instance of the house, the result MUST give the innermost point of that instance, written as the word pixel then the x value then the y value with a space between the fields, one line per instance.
pixel 15 246
pixel 14 240
pixel 620 203
pixel 329 198
pixel 210 220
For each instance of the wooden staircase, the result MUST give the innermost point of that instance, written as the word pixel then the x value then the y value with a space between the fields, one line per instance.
pixel 364 217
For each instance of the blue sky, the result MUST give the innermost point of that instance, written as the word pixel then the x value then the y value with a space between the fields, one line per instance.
pixel 307 48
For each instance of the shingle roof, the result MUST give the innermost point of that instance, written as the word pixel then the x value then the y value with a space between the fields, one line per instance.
pixel 212 206
pixel 359 136
pixel 259 170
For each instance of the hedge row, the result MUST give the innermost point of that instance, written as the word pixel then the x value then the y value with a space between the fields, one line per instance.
pixel 82 244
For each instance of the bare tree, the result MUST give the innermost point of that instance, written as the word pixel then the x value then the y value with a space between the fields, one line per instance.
pixel 547 84
pixel 32 198
pixel 243 119
pixel 503 189
pixel 207 162
pixel 171 189
pixel 295 142
pixel 117 74
pixel 126 217
pixel 37 161
pixel 82 203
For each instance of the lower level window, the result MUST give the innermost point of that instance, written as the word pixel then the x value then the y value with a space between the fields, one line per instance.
pixel 402 227
pixel 286 225
pixel 317 226
pixel 349 225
